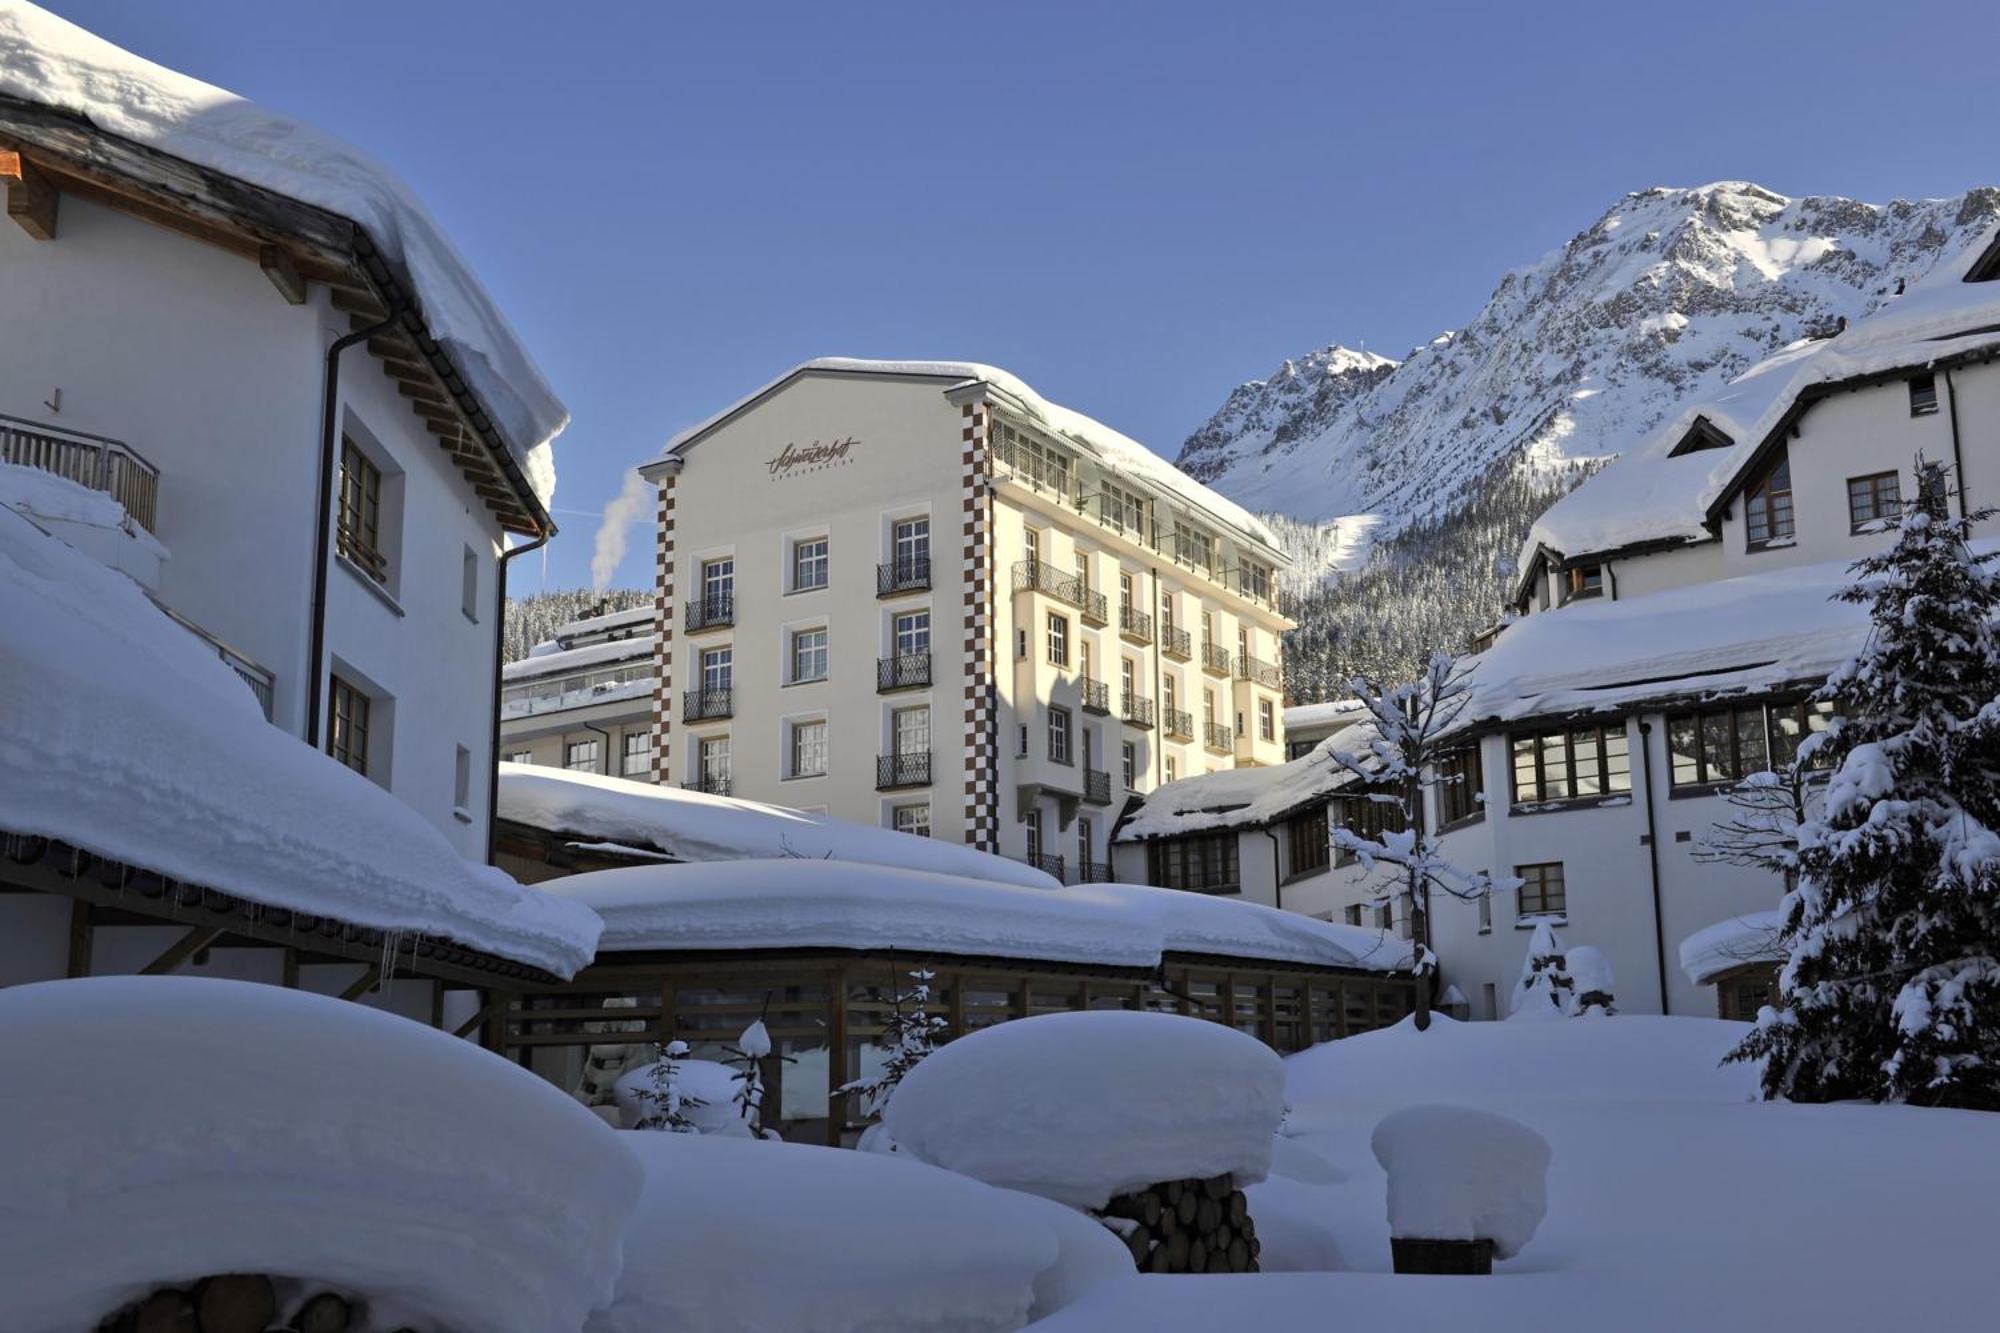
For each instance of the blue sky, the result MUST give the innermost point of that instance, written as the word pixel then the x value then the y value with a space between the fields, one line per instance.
pixel 1132 206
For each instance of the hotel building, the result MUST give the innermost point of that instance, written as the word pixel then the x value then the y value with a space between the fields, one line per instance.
pixel 920 595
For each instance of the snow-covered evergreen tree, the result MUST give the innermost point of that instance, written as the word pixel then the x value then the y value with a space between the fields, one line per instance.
pixel 748 1056
pixel 534 618
pixel 1892 987
pixel 1409 725
pixel 1591 981
pixel 910 1034
pixel 1544 989
pixel 667 1105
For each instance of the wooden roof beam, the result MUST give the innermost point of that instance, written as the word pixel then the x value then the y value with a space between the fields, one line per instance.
pixel 31 196
pixel 283 272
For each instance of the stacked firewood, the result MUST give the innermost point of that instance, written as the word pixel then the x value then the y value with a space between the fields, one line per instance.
pixel 235 1303
pixel 1187 1226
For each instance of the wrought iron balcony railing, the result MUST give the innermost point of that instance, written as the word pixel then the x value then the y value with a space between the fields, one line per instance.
pixel 1179 723
pixel 714 784
pixel 714 611
pixel 700 705
pixel 1137 712
pixel 904 671
pixel 1259 672
pixel 910 573
pixel 1043 577
pixel 1176 642
pixel 903 769
pixel 1217 738
pixel 1096 786
pixel 1214 660
pixel 1096 695
pixel 1135 625
pixel 1046 862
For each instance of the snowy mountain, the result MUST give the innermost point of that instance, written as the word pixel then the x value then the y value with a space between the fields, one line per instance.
pixel 1672 292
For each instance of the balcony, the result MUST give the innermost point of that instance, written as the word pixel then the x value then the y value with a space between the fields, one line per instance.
pixel 715 611
pixel 1137 712
pixel 1259 672
pixel 1179 724
pixel 91 461
pixel 1176 643
pixel 1042 577
pixel 716 784
pixel 1092 872
pixel 910 573
pixel 1096 786
pixel 1216 738
pixel 703 705
pixel 1136 626
pixel 1041 470
pixel 904 671
pixel 1046 863
pixel 1214 660
pixel 903 769
pixel 1096 695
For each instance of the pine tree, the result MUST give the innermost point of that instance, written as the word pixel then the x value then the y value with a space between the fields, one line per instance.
pixel 1544 989
pixel 668 1105
pixel 1892 988
pixel 910 1034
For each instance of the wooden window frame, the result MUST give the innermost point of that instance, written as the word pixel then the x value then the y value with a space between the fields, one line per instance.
pixel 1309 845
pixel 801 562
pixel 358 530
pixel 348 724
pixel 1461 786
pixel 1541 882
pixel 1202 863
pixel 1601 756
pixel 1923 395
pixel 1884 501
pixel 1777 510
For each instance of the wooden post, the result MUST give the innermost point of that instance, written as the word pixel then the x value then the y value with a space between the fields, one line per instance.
pixel 1271 1010
pixel 80 938
pixel 291 964
pixel 186 947
pixel 364 984
pixel 1337 996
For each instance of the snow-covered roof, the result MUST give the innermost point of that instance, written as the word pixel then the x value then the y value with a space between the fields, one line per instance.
pixel 51 62
pixel 696 826
pixel 632 617
pixel 1108 447
pixel 1236 798
pixel 559 661
pixel 830 904
pixel 1726 945
pixel 1647 495
pixel 120 733
pixel 1326 713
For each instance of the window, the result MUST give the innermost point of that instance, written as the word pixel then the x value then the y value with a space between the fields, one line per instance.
pixel 1923 395
pixel 1085 832
pixel 1129 756
pixel 1032 823
pixel 347 736
pixel 1541 892
pixel 1205 864
pixel 913 551
pixel 581 756
pixel 1166 610
pixel 809 749
pixel 1460 785
pixel 1569 765
pixel 718 579
pixel 808 655
pixel 712 757
pixel 1242 646
pixel 1169 696
pixel 468 585
pixel 1767 504
pixel 1124 593
pixel 1583 581
pixel 913 633
pixel 521 757
pixel 1306 839
pixel 912 730
pixel 1122 511
pixel 1872 498
pixel 1368 819
pixel 358 534
pixel 461 780
pixel 1172 769
pixel 1059 743
pixel 1058 639
pixel 1254 581
pixel 718 670
pixel 1031 545
pixel 1385 916
pixel 1020 645
pixel 1126 679
pixel 914 819
pixel 638 754
pixel 1267 724
pixel 1485 913
pixel 1021 750
pixel 809 564
pixel 1729 744
pixel 1351 914
pixel 1083 570
pixel 1208 708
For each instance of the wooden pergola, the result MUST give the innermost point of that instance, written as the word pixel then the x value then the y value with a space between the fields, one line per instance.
pixel 826 1009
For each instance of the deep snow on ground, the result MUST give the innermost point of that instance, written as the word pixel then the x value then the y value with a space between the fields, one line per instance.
pixel 1675 1202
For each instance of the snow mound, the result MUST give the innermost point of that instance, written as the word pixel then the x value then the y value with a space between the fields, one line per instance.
pixel 122 733
pixel 47 60
pixel 710 1083
pixel 250 1128
pixel 746 1236
pixel 1078 1107
pixel 1754 937
pixel 1456 1173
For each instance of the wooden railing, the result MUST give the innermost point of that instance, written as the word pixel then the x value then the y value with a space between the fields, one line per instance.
pixel 94 461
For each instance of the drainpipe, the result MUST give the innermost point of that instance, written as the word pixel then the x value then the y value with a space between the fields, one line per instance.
pixel 1653 858
pixel 329 434
pixel 1277 873
pixel 499 633
pixel 1957 456
pixel 604 767
pixel 1159 714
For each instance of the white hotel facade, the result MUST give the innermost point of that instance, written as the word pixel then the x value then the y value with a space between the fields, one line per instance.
pixel 920 596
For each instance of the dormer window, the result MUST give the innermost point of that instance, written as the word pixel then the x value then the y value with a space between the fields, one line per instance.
pixel 1703 434
pixel 1584 581
pixel 1767 504
pixel 1923 395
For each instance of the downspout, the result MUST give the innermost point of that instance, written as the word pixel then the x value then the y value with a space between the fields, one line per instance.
pixel 603 768
pixel 1611 580
pixel 1957 456
pixel 1159 714
pixel 1653 858
pixel 1277 872
pixel 499 639
pixel 329 433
